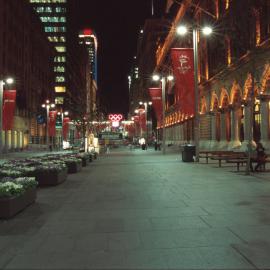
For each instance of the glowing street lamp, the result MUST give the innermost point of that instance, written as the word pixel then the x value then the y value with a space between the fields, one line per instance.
pixel 163 80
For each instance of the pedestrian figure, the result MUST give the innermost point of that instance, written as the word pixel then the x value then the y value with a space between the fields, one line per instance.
pixel 260 158
pixel 107 149
pixel 156 145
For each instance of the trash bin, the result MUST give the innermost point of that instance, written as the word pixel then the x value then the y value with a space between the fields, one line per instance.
pixel 188 151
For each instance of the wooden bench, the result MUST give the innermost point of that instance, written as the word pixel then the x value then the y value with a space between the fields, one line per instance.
pixel 208 154
pixel 228 156
pixel 238 161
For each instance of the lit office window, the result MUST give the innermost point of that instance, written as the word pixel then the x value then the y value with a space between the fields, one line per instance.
pixel 53 19
pixel 59 100
pixel 43 9
pixel 60 89
pixel 56 39
pixel 60 49
pixel 59 69
pixel 49 29
pixel 60 79
pixel 60 10
pixel 60 59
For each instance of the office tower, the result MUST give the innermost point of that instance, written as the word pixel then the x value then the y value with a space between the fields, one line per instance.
pixel 52 14
pixel 87 37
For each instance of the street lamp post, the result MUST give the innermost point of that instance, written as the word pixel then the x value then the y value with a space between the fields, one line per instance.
pixel 196 95
pixel 163 85
pixel 47 105
pixel 2 83
pixel 146 104
pixel 182 30
pixel 62 119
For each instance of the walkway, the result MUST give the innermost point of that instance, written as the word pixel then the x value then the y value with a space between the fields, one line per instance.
pixel 142 210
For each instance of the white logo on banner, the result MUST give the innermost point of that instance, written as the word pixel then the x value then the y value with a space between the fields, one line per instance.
pixel 184 64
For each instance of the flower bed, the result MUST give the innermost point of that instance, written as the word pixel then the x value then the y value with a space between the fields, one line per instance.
pixel 85 159
pixel 15 195
pixel 46 172
pixel 51 173
pixel 73 164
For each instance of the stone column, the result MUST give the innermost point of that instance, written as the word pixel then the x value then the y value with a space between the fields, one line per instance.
pixel 19 145
pixel 213 143
pixel 235 142
pixel 247 127
pixel 12 140
pixel 264 111
pixel 223 144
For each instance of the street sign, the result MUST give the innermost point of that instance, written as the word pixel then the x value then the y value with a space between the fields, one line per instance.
pixel 41 119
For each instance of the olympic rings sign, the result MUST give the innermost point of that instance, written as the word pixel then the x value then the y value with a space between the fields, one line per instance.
pixel 115 117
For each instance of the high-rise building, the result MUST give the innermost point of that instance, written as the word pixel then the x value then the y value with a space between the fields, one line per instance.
pixel 27 57
pixel 52 14
pixel 88 38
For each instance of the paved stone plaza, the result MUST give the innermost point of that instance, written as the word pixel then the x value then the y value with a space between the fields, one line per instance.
pixel 142 210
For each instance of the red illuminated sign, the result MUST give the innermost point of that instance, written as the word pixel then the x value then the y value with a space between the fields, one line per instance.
pixel 115 117
pixel 87 32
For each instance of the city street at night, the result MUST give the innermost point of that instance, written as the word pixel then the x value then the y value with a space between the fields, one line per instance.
pixel 135 134
pixel 135 209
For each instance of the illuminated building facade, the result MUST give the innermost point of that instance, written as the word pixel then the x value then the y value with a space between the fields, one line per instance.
pixel 27 57
pixel 233 73
pixel 53 15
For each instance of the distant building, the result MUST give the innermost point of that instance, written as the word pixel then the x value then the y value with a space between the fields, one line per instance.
pixel 27 56
pixel 53 15
pixel 87 37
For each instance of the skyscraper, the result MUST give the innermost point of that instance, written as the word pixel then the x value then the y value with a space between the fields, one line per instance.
pixel 89 39
pixel 52 14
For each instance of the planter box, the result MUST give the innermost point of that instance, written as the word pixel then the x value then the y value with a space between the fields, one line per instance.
pixel 74 167
pixel 51 178
pixel 12 205
pixel 85 161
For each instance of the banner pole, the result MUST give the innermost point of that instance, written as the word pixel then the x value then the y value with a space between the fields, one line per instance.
pixel 196 95
pixel 163 116
pixel 1 115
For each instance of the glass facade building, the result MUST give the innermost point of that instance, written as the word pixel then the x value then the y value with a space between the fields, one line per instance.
pixel 52 14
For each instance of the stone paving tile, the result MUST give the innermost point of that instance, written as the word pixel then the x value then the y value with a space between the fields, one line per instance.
pixel 206 258
pixel 124 241
pixel 70 260
pixel 234 219
pixel 257 253
pixel 145 259
pixel 174 223
pixel 252 234
pixel 197 237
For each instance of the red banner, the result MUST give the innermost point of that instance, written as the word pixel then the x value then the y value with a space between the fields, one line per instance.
pixel 9 103
pixel 65 127
pixel 156 97
pixel 183 69
pixel 52 122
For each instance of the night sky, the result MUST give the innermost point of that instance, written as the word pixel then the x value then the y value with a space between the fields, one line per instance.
pixel 117 24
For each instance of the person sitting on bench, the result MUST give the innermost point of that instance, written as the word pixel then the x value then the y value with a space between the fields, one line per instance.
pixel 261 157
